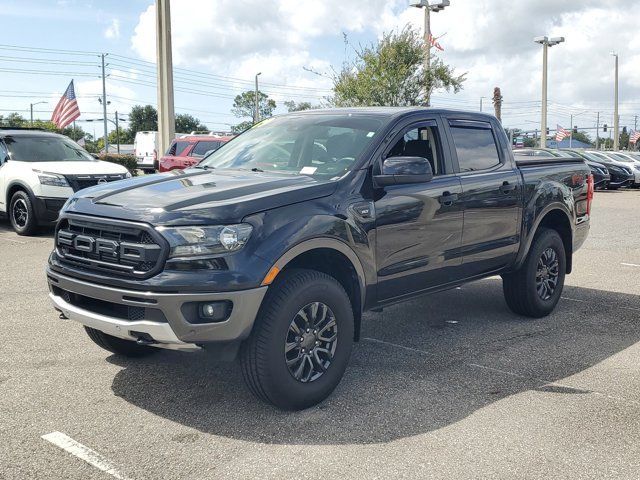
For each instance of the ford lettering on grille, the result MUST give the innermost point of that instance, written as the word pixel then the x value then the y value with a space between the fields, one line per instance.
pixel 124 250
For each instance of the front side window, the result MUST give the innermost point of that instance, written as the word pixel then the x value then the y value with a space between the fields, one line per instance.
pixel 420 141
pixel 25 148
pixel 203 147
pixel 320 145
pixel 476 147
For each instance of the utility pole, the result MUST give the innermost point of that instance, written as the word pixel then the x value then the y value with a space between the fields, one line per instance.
pixel 166 114
pixel 546 43
pixel 570 126
pixel 481 102
pixel 104 105
pixel 616 119
pixel 598 131
pixel 429 6
pixel 256 109
pixel 117 133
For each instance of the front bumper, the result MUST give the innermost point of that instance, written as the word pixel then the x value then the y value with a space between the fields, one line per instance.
pixel 160 316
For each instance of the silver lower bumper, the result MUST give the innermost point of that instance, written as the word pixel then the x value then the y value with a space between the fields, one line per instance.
pixel 161 332
pixel 177 331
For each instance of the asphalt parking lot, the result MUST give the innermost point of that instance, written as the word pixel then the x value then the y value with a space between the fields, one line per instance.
pixel 447 386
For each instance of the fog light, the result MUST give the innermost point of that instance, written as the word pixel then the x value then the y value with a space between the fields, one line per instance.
pixel 215 311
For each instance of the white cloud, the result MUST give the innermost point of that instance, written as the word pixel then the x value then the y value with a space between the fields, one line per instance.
pixel 489 39
pixel 113 30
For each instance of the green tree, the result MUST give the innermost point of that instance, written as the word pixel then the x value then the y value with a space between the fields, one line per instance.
pixel 297 107
pixel 124 136
pixel 186 123
pixel 391 73
pixel 14 119
pixel 143 119
pixel 244 106
pixel 582 137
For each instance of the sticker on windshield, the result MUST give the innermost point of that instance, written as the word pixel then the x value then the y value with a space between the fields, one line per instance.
pixel 308 170
pixel 371 134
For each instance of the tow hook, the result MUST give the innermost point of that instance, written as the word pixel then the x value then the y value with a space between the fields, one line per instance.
pixel 143 338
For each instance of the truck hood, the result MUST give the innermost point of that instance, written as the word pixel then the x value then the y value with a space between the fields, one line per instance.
pixel 197 196
pixel 78 168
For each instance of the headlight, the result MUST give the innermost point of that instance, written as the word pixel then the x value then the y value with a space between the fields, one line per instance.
pixel 202 241
pixel 52 179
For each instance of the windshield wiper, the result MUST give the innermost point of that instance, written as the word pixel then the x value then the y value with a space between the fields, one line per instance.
pixel 256 169
pixel 203 167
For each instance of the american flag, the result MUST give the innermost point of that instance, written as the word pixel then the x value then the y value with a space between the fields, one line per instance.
pixel 561 133
pixel 634 137
pixel 67 109
pixel 434 42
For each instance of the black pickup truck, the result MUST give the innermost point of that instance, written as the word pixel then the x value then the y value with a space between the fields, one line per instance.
pixel 272 247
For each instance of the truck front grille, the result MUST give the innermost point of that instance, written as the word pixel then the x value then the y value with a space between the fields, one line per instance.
pixel 121 248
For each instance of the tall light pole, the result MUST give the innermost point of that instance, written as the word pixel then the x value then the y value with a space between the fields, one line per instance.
pixel 481 102
pixel 166 113
pixel 31 109
pixel 104 105
pixel 256 108
pixel 429 6
pixel 616 119
pixel 546 43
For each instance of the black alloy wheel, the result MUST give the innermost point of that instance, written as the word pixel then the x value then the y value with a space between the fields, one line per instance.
pixel 311 342
pixel 547 273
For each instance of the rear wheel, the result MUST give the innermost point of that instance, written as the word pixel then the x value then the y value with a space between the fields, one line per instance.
pixel 301 343
pixel 21 214
pixel 535 288
pixel 119 346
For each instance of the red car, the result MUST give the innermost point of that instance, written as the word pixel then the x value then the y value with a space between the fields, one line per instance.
pixel 187 150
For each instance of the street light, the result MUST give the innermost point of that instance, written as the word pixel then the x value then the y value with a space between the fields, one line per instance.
pixel 256 112
pixel 31 108
pixel 429 6
pixel 481 102
pixel 116 123
pixel 616 119
pixel 546 43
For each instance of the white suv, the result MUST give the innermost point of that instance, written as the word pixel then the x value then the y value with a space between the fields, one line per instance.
pixel 40 170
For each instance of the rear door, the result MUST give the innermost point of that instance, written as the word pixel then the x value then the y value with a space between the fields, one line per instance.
pixel 491 195
pixel 418 226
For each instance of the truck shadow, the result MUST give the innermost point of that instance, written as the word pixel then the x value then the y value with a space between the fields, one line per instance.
pixel 421 366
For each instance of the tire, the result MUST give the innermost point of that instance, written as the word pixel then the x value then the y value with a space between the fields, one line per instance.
pixel 21 214
pixel 264 357
pixel 521 290
pixel 119 346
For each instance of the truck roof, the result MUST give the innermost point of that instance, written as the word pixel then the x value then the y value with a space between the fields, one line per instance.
pixel 392 112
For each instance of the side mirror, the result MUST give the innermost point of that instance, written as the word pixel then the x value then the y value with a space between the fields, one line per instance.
pixel 96 156
pixel 404 170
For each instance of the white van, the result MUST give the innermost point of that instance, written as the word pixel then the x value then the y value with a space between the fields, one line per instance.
pixel 145 147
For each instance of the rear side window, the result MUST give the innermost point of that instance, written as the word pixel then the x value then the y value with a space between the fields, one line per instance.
pixel 203 147
pixel 476 146
pixel 177 148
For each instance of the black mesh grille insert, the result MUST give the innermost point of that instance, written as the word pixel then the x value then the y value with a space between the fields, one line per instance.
pixel 120 248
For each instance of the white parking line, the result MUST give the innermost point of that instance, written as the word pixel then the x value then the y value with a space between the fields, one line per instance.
pixel 630 264
pixel 92 457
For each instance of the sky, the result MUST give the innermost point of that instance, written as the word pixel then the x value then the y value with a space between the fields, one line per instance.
pixel 219 45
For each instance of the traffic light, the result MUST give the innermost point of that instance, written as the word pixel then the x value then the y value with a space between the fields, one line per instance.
pixel 604 127
pixel 575 129
pixel 547 131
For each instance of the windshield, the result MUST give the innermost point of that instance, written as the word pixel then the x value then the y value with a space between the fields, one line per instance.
pixel 26 148
pixel 325 146
pixel 564 154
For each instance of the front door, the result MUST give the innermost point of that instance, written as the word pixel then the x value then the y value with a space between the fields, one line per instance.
pixel 418 226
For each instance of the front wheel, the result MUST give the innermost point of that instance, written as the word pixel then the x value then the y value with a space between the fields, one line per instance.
pixel 535 288
pixel 22 214
pixel 301 343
